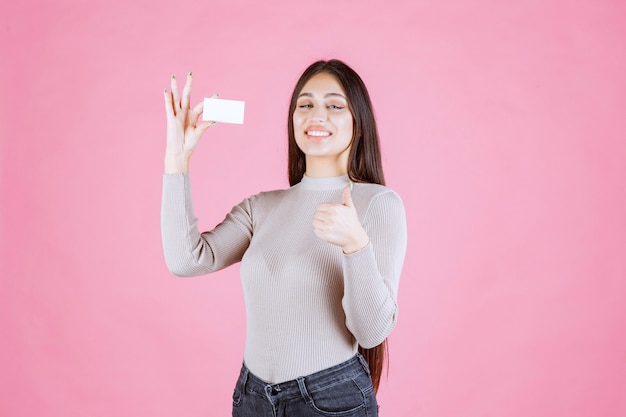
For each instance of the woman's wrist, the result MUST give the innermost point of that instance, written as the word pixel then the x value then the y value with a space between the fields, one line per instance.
pixel 176 164
pixel 356 245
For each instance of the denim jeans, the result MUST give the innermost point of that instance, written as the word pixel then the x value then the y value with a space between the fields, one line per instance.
pixel 342 390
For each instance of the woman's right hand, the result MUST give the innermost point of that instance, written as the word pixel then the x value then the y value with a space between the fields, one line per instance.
pixel 183 129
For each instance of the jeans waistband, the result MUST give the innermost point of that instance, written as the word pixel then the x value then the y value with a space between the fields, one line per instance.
pixel 288 389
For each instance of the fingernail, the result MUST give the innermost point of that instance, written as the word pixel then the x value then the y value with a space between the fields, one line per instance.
pixel 173 75
pixel 189 74
pixel 351 185
pixel 165 91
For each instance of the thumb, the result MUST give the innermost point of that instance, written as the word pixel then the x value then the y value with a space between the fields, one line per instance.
pixel 202 127
pixel 346 197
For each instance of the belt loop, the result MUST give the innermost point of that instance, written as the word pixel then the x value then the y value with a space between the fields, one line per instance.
pixel 245 379
pixel 268 393
pixel 303 390
pixel 364 364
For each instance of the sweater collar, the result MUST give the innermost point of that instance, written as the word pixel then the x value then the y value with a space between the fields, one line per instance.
pixel 324 183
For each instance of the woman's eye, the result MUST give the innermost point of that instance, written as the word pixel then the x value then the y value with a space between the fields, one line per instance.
pixel 305 106
pixel 335 107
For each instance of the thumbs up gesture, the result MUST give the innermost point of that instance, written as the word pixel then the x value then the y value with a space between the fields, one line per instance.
pixel 339 224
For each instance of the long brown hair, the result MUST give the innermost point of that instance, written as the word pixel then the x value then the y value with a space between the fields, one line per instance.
pixel 364 160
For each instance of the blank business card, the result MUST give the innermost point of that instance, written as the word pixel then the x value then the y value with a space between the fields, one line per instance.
pixel 223 111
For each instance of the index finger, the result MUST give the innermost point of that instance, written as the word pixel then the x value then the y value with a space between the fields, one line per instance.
pixel 326 207
pixel 199 109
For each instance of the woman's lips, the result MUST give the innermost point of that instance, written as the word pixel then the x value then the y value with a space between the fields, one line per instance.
pixel 317 133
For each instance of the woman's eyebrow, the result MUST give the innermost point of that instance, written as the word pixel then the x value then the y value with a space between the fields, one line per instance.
pixel 325 96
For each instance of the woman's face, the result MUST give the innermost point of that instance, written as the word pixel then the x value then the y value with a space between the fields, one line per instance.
pixel 322 121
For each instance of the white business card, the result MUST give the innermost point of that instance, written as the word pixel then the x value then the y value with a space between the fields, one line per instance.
pixel 223 111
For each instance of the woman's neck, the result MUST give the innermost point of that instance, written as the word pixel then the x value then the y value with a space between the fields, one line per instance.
pixel 326 167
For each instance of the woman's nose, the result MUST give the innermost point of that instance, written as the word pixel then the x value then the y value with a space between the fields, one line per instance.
pixel 319 114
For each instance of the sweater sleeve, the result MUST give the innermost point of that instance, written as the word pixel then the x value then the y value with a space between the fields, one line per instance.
pixel 372 275
pixel 189 252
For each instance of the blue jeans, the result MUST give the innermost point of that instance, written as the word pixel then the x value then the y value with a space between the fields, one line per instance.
pixel 342 390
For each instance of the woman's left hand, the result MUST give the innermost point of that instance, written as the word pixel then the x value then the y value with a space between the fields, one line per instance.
pixel 339 224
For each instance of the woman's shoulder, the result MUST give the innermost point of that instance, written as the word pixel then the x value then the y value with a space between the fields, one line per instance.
pixel 268 196
pixel 376 199
pixel 374 191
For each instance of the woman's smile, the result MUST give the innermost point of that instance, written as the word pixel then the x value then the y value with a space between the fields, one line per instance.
pixel 317 133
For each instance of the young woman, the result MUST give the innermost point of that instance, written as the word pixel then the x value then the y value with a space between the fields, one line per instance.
pixel 320 261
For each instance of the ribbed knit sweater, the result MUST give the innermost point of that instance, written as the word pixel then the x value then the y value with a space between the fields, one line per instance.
pixel 308 304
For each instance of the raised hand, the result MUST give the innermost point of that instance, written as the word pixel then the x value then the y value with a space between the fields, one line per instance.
pixel 339 224
pixel 183 129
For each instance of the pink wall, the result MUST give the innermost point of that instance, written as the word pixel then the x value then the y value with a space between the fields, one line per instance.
pixel 503 128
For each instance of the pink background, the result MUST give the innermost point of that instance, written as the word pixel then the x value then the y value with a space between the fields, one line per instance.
pixel 503 127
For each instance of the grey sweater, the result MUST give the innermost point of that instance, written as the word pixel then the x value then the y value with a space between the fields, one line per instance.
pixel 308 304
